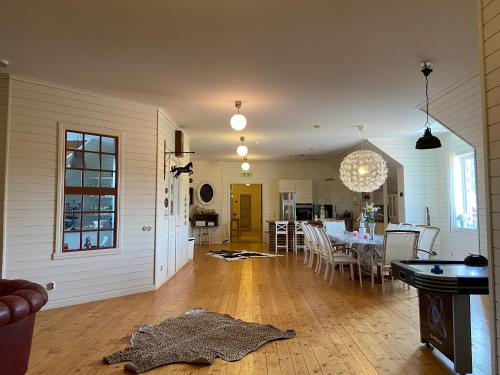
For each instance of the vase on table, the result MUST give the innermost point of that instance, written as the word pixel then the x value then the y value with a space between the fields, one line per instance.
pixel 372 230
pixel 362 227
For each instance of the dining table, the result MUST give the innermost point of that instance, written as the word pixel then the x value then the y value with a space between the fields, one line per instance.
pixel 365 248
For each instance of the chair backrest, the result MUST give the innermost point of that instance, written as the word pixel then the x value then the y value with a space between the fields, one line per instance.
pixel 281 226
pixel 399 245
pixel 392 226
pixel 335 226
pixel 405 226
pixel 427 239
pixel 308 237
pixel 325 246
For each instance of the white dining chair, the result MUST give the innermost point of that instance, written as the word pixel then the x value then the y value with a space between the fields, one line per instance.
pixel 333 227
pixel 426 241
pixel 392 226
pixel 334 257
pixel 405 226
pixel 307 244
pixel 312 245
pixel 398 245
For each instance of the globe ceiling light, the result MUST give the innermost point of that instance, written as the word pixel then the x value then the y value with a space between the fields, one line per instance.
pixel 363 171
pixel 242 150
pixel 238 121
pixel 245 165
pixel 427 141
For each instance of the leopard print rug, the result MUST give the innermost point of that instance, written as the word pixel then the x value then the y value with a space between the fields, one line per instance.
pixel 197 336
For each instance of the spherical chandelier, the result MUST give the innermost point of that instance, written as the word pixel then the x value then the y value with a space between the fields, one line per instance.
pixel 363 171
pixel 245 165
pixel 238 121
pixel 242 150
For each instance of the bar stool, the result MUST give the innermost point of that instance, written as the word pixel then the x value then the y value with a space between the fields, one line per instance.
pixel 298 232
pixel 280 229
pixel 204 235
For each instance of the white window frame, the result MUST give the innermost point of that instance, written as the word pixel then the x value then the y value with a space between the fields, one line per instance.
pixel 58 251
pixel 453 216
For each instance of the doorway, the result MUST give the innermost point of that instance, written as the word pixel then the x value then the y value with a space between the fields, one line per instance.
pixel 246 213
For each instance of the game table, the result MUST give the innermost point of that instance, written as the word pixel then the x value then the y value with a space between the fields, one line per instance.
pixel 444 304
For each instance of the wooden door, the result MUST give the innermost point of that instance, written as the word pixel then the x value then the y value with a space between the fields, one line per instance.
pixel 245 211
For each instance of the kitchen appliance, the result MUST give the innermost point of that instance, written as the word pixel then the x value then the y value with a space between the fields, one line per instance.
pixel 287 206
pixel 304 211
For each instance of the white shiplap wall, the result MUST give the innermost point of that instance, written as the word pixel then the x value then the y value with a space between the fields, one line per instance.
pixel 459 108
pixel 427 172
pixel 223 174
pixel 166 258
pixel 489 29
pixel 35 111
pixel 4 101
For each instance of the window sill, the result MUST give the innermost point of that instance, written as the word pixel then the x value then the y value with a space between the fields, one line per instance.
pixel 85 254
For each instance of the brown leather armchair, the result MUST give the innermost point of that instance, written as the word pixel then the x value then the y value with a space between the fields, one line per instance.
pixel 19 301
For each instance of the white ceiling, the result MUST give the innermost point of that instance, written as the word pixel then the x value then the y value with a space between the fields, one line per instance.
pixel 292 63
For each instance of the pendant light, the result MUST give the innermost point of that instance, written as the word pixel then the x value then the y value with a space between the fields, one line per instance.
pixel 363 171
pixel 245 165
pixel 238 121
pixel 242 150
pixel 427 141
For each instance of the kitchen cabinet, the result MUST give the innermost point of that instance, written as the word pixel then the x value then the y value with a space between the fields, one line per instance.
pixel 302 188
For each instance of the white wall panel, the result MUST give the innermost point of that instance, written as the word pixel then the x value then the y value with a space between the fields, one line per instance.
pixel 36 109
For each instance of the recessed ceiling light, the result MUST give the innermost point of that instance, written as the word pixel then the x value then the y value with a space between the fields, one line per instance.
pixel 313 149
pixel 257 142
pixel 4 63
pixel 317 126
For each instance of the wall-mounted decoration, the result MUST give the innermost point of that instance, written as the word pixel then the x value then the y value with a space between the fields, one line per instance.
pixel 206 193
pixel 166 202
pixel 188 168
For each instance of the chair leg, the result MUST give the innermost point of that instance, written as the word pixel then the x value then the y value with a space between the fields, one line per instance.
pixel 352 271
pixel 383 281
pixel 332 277
pixel 360 276
pixel 326 270
pixel 373 275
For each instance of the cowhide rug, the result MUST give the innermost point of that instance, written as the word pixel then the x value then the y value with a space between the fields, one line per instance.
pixel 232 255
pixel 197 336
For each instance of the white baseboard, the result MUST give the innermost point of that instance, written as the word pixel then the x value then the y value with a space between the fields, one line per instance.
pixel 98 296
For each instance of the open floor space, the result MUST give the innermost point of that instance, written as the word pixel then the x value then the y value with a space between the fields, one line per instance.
pixel 340 330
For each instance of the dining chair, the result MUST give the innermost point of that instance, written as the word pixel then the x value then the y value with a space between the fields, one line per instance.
pixel 312 245
pixel 307 244
pixel 335 226
pixel 334 257
pixel 426 241
pixel 398 245
pixel 405 226
pixel 392 226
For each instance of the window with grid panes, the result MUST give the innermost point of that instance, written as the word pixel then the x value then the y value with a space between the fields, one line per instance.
pixel 90 191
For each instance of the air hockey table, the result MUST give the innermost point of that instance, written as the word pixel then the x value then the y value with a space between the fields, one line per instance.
pixel 444 304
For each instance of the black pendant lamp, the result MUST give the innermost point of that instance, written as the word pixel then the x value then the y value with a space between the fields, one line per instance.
pixel 427 141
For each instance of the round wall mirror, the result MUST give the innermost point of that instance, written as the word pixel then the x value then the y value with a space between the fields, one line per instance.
pixel 206 193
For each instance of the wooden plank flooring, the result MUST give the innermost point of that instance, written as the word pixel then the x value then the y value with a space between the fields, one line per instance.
pixel 340 330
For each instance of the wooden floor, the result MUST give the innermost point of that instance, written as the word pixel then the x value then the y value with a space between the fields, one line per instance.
pixel 340 330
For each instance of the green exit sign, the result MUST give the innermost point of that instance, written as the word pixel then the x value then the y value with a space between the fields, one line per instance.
pixel 246 174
